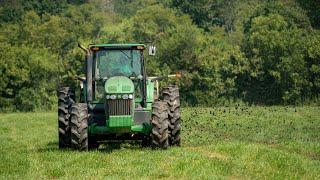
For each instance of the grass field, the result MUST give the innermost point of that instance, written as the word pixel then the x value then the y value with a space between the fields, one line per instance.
pixel 218 143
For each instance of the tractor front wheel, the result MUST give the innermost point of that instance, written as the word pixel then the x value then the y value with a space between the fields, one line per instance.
pixel 159 122
pixel 79 127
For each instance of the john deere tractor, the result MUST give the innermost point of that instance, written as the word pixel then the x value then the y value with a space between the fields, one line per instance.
pixel 118 102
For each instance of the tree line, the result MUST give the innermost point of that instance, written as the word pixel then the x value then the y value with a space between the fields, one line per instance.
pixel 252 51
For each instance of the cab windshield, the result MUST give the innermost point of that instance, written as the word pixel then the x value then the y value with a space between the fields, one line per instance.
pixel 111 63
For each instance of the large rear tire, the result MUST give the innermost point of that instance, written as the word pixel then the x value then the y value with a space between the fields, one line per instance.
pixel 159 122
pixel 79 127
pixel 172 97
pixel 65 100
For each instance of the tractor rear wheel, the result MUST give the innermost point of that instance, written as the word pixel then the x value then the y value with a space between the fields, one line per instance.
pixel 159 122
pixel 65 100
pixel 172 97
pixel 79 126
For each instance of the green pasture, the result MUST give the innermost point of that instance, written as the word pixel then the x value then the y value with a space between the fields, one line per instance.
pixel 218 143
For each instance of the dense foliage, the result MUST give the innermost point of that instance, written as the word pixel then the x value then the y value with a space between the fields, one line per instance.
pixel 263 52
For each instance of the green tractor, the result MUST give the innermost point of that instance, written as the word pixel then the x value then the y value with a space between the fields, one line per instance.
pixel 118 102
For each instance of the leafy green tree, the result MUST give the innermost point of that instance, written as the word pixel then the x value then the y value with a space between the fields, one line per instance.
pixel 129 8
pixel 313 63
pixel 289 10
pixel 13 10
pixel 27 82
pixel 278 72
pixel 204 13
pixel 312 7
pixel 177 46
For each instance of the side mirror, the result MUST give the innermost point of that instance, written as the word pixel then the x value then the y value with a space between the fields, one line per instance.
pixel 152 50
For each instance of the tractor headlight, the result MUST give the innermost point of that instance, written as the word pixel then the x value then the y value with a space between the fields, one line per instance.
pixel 119 96
pixel 113 97
pixel 125 96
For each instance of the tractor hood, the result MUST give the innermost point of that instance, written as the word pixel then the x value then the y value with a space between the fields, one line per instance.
pixel 119 85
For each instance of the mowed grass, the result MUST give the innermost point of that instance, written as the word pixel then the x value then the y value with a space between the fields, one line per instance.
pixel 218 143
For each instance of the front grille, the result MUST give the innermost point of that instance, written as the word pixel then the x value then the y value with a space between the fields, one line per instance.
pixel 119 107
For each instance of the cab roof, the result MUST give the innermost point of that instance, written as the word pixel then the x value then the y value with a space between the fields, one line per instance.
pixel 117 46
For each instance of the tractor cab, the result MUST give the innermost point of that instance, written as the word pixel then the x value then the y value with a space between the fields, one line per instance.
pixel 115 66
